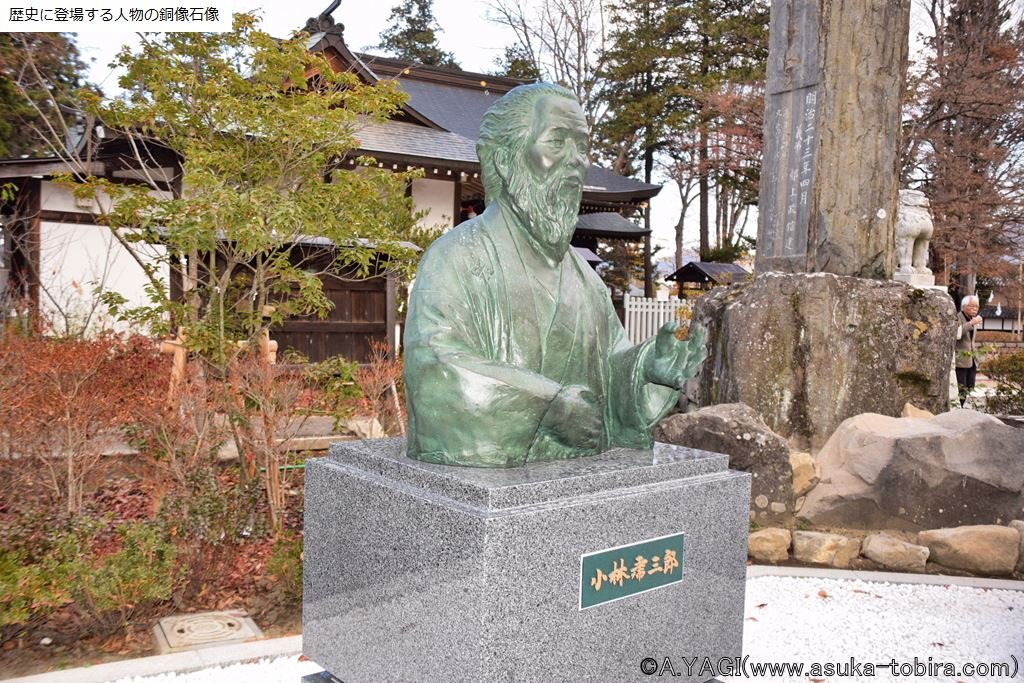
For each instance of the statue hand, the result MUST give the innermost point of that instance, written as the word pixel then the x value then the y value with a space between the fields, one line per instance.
pixel 675 361
pixel 575 417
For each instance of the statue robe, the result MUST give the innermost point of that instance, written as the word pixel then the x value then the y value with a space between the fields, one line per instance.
pixel 489 343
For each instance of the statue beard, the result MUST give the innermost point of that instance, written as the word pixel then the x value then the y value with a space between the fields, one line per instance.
pixel 548 208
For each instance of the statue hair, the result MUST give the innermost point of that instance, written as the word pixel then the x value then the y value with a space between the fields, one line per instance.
pixel 505 130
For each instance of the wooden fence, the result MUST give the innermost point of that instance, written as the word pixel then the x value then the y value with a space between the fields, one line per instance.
pixel 642 317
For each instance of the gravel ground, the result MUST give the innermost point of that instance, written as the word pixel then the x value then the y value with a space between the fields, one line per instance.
pixel 829 622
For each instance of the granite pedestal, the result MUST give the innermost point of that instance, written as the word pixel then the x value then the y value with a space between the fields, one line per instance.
pixel 430 573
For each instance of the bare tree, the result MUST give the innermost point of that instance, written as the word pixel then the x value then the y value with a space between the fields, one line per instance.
pixel 564 40
pixel 964 137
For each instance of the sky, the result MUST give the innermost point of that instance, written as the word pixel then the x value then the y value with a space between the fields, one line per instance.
pixel 466 32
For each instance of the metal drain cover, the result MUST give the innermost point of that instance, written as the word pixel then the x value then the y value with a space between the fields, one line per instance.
pixel 192 631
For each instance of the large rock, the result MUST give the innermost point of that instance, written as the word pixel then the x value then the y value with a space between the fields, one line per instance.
pixel 1019 526
pixel 809 351
pixel 737 431
pixel 769 545
pixel 806 473
pixel 957 468
pixel 982 549
pixel 895 554
pixel 910 410
pixel 815 547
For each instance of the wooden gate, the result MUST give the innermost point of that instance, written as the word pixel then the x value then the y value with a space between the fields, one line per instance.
pixel 364 311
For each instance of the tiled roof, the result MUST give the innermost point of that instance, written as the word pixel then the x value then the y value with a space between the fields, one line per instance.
pixel 461 110
pixel 457 109
pixel 588 255
pixel 702 271
pixel 608 224
pixel 408 139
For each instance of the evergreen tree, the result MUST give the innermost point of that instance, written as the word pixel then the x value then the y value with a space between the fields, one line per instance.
pixel 723 44
pixel 682 83
pixel 411 35
pixel 623 265
pixel 516 62
pixel 39 73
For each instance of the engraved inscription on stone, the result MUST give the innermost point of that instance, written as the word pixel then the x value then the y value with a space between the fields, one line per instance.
pixel 791 136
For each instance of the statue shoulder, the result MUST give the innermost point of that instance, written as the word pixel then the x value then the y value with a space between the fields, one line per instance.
pixel 466 247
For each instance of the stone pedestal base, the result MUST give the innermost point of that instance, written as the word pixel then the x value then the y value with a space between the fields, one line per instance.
pixel 419 572
pixel 916 279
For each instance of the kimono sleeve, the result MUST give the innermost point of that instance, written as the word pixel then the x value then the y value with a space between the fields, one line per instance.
pixel 635 405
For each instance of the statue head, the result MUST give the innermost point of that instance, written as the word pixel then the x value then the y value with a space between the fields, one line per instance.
pixel 913 198
pixel 533 152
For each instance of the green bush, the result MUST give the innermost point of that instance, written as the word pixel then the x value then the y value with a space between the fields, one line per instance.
pixel 138 570
pixel 108 589
pixel 27 593
pixel 1008 372
pixel 336 380
pixel 285 564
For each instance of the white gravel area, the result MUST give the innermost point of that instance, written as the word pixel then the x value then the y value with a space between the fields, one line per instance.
pixel 809 620
pixel 844 624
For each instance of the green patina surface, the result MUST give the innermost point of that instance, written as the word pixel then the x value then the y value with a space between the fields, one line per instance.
pixel 513 352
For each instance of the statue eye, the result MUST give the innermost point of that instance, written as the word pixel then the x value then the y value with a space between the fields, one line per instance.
pixel 556 143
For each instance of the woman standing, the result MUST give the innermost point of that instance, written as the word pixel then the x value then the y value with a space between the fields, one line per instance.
pixel 966 360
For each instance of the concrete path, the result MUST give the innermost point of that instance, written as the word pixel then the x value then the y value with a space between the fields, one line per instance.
pixel 195 660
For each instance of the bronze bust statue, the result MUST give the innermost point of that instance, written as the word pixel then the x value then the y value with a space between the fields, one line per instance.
pixel 513 352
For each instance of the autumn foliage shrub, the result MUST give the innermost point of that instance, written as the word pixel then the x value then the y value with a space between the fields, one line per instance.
pixel 380 381
pixel 1008 372
pixel 60 397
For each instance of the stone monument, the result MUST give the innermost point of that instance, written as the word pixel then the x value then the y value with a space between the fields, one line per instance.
pixel 487 547
pixel 832 117
pixel 822 333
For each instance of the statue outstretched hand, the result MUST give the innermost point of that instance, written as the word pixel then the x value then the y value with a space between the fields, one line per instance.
pixel 674 361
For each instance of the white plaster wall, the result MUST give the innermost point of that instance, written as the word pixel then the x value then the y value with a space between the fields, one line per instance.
pixel 438 198
pixel 74 261
pixel 60 198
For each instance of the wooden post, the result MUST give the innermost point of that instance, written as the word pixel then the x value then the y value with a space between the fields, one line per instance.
pixel 391 315
pixel 268 346
pixel 176 347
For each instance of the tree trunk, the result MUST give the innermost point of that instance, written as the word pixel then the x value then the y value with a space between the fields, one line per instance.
pixel 704 195
pixel 648 266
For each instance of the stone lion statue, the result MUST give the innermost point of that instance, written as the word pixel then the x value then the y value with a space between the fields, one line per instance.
pixel 913 233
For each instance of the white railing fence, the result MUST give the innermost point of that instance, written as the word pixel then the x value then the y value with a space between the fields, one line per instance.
pixel 643 317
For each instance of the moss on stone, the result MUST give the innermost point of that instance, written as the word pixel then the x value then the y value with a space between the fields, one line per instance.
pixel 913 377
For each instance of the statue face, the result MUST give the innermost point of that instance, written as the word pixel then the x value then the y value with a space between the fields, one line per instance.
pixel 559 139
pixel 545 184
